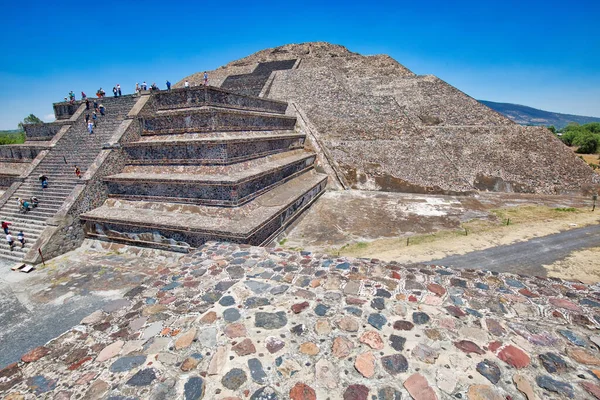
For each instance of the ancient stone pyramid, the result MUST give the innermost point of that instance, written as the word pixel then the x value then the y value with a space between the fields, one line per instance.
pixel 379 126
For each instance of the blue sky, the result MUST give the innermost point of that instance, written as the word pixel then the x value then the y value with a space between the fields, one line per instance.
pixel 544 54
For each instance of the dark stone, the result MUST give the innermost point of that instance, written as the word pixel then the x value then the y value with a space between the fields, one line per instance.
pixel 170 286
pixel 490 370
pixel 256 370
pixel 257 287
pixel 397 342
pixel 343 266
pixel 270 320
pixel 298 329
pixel 403 325
pixel 474 313
pixel 265 393
pixel 279 289
pixel 378 303
pixel 573 337
pixel 458 283
pixel 235 272
pixel 394 364
pixel 389 393
pixel 455 311
pixel 143 377
pixel 199 272
pixel 356 392
pixel 224 285
pixel 555 386
pixel 211 297
pixel 234 379
pixel 134 292
pixel 321 310
pixel 255 302
pixel 482 286
pixel 413 285
pixel 553 363
pixel 240 254
pixel 40 384
pixel 127 363
pixel 588 302
pixel 231 315
pixel 420 318
pixel 354 311
pixel 227 301
pixel 383 293
pixel 377 320
pixel 194 388
pixel 514 283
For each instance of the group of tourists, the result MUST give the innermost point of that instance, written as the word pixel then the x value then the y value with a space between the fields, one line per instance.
pixel 9 237
pixel 98 109
pixel 26 205
pixel 117 90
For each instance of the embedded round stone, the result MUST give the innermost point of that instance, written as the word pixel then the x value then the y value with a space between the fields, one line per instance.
pixel 553 363
pixel 274 344
pixel 365 364
pixel 265 393
pixel 388 393
pixel 420 318
pixel 244 348
pixel 356 392
pixel 227 301
pixel 231 315
pixel 270 320
pixel 514 356
pixel 468 347
pixel 555 386
pixel 397 342
pixel 372 339
pixel 298 308
pixel 425 353
pixel 255 302
pixel 490 370
pixel 257 373
pixel 348 324
pixel 235 330
pixel 194 388
pixel 321 310
pixel 378 303
pixel 143 377
pixel 301 391
pixel 341 347
pixel 377 320
pixel 403 325
pixel 234 379
pixel 394 364
pixel 309 348
pixel 127 363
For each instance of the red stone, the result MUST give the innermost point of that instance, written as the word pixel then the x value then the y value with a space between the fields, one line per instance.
pixel 79 363
pixel 514 356
pixel 396 275
pixel 419 388
pixel 493 346
pixel 528 293
pixel 592 389
pixel 244 347
pixel 557 314
pixel 300 391
pixel 566 304
pixel 9 370
pixel 356 392
pixel 298 308
pixel 412 298
pixel 579 286
pixel 455 311
pixel 35 354
pixel 469 347
pixel 355 301
pixel 437 289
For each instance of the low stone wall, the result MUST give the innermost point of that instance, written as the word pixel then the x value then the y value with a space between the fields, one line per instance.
pixel 207 95
pixel 217 193
pixel 65 110
pixel 44 131
pixel 215 120
pixel 19 152
pixel 200 152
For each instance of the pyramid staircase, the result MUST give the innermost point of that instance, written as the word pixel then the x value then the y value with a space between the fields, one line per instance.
pixel 209 165
pixel 75 147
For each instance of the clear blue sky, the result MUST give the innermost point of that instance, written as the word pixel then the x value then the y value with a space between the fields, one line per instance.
pixel 544 54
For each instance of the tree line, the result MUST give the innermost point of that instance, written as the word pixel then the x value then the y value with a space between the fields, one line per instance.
pixel 586 137
pixel 18 136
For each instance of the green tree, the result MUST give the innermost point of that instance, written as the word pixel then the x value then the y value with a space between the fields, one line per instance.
pixel 552 129
pixel 30 119
pixel 587 142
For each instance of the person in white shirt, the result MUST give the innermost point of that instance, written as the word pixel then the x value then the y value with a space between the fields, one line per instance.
pixel 10 240
pixel 186 84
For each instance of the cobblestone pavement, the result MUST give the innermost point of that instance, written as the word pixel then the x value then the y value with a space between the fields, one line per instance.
pixel 239 322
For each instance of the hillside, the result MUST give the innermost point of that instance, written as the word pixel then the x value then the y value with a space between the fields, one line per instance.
pixel 524 115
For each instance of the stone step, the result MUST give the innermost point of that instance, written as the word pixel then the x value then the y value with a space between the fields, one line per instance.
pixel 213 119
pixel 225 185
pixel 23 218
pixel 216 148
pixel 177 226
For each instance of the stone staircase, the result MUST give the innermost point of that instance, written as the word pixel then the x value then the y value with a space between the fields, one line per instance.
pixel 209 165
pixel 76 147
pixel 253 83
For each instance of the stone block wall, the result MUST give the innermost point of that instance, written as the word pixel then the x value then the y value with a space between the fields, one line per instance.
pixel 205 95
pixel 211 121
pixel 65 110
pixel 44 131
pixel 200 152
pixel 19 152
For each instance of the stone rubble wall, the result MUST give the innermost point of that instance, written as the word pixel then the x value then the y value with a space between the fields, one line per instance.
pixel 44 131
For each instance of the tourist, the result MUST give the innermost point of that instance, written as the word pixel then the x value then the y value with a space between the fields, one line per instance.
pixel 154 87
pixel 168 85
pixel 91 126
pixel 144 86
pixel 115 91
pixel 101 107
pixel 119 89
pixel 34 201
pixel 87 104
pixel 205 78
pixel 5 226
pixel 21 238
pixel 94 118
pixel 95 106
pixel 186 84
pixel 26 205
pixel 83 96
pixel 101 93
pixel 44 181
pixel 137 88
pixel 77 172
pixel 10 240
pixel 87 118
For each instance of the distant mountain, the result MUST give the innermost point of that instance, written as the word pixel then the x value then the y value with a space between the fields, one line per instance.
pixel 524 115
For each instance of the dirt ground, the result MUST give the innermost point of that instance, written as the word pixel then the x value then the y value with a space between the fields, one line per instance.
pixel 379 225
pixel 583 265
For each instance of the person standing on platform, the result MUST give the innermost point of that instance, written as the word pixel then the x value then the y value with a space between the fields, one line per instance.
pixel 91 127
pixel 119 89
pixel 87 118
pixel 77 172
pixel 94 118
pixel 168 85
pixel 205 78
pixel 186 84
pixel 115 91
pixel 102 109
pixel 87 104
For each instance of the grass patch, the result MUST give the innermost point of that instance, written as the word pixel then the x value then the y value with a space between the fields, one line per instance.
pixel 566 209
pixel 283 241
